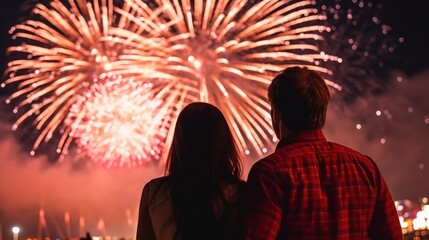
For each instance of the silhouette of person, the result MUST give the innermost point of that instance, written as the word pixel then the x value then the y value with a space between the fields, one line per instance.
pixel 87 237
pixel 199 196
pixel 310 188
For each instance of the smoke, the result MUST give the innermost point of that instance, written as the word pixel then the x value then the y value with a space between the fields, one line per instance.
pixel 393 132
pixel 97 195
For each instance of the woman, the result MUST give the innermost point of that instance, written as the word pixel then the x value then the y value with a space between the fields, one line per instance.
pixel 199 196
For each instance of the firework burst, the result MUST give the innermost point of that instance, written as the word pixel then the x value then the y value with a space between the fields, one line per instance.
pixel 83 58
pixel 120 112
pixel 60 56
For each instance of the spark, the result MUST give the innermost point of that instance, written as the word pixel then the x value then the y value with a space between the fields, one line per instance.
pixel 81 70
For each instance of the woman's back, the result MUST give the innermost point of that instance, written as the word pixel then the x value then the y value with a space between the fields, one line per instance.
pixel 156 198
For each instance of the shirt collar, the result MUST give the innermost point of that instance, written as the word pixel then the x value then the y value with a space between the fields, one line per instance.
pixel 304 136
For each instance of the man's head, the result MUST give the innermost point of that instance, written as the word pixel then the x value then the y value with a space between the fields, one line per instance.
pixel 299 98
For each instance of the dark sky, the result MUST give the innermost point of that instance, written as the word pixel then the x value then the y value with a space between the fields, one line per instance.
pixel 397 140
pixel 409 19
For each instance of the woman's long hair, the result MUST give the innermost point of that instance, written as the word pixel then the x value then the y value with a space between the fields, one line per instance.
pixel 202 160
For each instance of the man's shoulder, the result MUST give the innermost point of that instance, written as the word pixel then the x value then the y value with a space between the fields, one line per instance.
pixel 346 152
pixel 340 148
pixel 303 150
pixel 271 161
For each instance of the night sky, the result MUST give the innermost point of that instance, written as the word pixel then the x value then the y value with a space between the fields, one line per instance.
pixel 390 126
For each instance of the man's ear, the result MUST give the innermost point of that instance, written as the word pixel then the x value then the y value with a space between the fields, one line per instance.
pixel 278 124
pixel 275 115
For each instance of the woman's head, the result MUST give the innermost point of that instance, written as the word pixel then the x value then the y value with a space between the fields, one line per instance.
pixel 203 158
pixel 203 145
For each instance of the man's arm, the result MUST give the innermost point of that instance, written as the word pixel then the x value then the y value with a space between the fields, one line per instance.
pixel 263 203
pixel 385 221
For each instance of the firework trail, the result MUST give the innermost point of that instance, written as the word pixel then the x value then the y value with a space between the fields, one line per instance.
pixel 363 43
pixel 85 67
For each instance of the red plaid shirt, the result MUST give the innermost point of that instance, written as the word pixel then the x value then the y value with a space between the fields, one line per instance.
pixel 314 189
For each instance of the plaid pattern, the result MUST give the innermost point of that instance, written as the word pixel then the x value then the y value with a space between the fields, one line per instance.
pixel 314 189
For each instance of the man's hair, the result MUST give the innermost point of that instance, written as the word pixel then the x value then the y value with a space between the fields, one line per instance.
pixel 301 96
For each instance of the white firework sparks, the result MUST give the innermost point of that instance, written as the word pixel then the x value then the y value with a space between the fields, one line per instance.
pixel 217 51
pixel 122 113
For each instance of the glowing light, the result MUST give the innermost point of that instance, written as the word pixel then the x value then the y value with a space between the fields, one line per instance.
pixel 222 52
pixel 15 230
pixel 388 114
pixel 358 126
pixel 399 79
pixel 419 222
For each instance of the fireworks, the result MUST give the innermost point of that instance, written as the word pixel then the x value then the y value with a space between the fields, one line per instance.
pixel 60 56
pixel 113 78
pixel 361 40
pixel 120 112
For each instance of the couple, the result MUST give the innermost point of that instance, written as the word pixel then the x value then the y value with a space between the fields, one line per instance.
pixel 308 188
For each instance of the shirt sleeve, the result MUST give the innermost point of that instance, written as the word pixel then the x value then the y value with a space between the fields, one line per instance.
pixel 385 222
pixel 144 226
pixel 263 203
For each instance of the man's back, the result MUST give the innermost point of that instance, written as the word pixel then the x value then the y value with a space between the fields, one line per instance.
pixel 313 189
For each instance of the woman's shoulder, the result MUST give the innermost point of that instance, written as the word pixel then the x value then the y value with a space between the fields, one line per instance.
pixel 155 185
pixel 157 181
pixel 157 190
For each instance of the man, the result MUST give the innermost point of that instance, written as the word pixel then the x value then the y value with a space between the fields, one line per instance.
pixel 310 188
